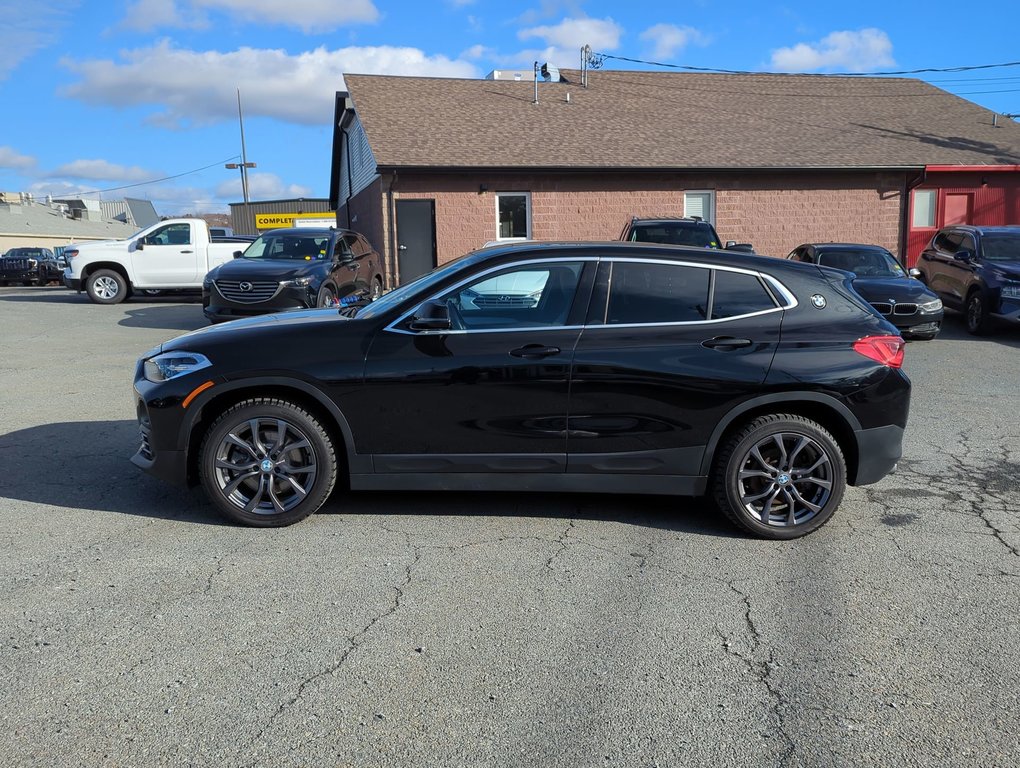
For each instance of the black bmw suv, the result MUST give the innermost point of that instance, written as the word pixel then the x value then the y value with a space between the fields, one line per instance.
pixel 605 367
pixel 975 270
pixel 293 269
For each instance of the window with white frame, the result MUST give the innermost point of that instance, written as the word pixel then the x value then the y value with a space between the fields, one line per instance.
pixel 924 208
pixel 700 203
pixel 513 215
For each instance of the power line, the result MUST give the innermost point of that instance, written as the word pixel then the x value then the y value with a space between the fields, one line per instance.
pixel 153 181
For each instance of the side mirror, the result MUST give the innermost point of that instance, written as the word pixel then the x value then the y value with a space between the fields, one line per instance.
pixel 431 316
pixel 139 245
pixel 238 254
pixel 963 255
pixel 914 272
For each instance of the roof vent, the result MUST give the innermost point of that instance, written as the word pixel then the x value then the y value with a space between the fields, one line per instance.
pixel 550 73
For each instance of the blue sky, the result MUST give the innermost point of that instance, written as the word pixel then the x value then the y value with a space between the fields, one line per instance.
pixel 101 94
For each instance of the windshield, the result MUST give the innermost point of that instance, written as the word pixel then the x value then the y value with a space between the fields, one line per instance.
pixel 290 247
pixel 389 300
pixel 675 234
pixel 1004 247
pixel 864 262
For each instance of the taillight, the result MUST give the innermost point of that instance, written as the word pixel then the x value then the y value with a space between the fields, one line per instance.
pixel 886 350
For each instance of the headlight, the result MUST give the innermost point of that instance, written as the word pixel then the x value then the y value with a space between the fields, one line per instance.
pixel 170 365
pixel 931 306
pixel 32 263
pixel 300 281
pixel 70 253
pixel 1011 291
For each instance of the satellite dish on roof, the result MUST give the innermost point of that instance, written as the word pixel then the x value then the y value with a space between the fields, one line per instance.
pixel 550 73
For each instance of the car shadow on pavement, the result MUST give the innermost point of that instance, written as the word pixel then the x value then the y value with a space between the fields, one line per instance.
pixel 45 295
pixel 954 328
pixel 170 317
pixel 86 465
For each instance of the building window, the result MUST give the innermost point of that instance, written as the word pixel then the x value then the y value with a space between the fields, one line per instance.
pixel 924 207
pixel 700 203
pixel 513 215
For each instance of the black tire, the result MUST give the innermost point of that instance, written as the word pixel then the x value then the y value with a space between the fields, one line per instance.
pixel 327 297
pixel 976 315
pixel 781 458
pixel 376 290
pixel 259 485
pixel 104 286
pixel 29 283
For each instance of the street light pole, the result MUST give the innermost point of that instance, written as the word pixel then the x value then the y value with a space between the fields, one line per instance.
pixel 244 165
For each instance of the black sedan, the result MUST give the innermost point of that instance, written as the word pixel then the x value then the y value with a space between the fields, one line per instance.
pixel 910 305
pixel 295 268
pixel 596 367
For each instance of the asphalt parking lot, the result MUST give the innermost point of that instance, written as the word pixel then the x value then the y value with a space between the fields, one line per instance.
pixel 493 630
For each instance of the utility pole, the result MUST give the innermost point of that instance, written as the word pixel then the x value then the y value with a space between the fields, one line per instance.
pixel 244 165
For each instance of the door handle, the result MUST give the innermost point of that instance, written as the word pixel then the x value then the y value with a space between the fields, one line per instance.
pixel 401 247
pixel 353 267
pixel 725 343
pixel 534 351
pixel 187 251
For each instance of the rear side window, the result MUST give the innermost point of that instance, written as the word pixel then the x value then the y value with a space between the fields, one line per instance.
pixel 737 294
pixel 640 292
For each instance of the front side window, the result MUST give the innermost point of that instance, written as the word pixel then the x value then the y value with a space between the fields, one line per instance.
pixel 171 234
pixel 640 292
pixel 529 296
pixel 513 215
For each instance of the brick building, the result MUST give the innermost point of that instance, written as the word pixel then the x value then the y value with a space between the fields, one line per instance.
pixel 431 168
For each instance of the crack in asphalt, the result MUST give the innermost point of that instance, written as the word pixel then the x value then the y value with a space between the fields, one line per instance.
pixel 760 669
pixel 562 542
pixel 353 643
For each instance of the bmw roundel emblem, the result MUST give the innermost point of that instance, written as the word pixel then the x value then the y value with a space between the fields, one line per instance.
pixel 818 300
pixel 245 286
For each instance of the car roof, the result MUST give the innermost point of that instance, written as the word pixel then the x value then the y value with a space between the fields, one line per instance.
pixel 667 220
pixel 319 231
pixel 846 246
pixel 984 229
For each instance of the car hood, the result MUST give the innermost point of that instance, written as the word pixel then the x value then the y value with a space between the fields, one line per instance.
pixel 898 289
pixel 224 332
pixel 267 269
pixel 1008 270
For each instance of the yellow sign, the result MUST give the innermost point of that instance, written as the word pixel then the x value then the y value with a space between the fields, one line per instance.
pixel 274 220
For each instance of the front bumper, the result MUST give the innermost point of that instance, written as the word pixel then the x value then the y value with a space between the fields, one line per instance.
pixel 19 275
pixel 1009 310
pixel 74 283
pixel 217 308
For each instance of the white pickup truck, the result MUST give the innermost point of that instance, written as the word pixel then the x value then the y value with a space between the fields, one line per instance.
pixel 171 255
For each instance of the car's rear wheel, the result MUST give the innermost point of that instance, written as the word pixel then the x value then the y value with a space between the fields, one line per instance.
pixel 267 462
pixel 376 290
pixel 978 322
pixel 104 286
pixel 780 477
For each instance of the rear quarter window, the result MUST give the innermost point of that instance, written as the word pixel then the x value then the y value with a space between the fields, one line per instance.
pixel 737 293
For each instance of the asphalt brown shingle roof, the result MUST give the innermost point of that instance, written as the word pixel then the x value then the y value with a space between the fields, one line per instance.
pixel 654 120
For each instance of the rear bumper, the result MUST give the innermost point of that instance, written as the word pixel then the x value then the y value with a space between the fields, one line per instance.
pixel 878 451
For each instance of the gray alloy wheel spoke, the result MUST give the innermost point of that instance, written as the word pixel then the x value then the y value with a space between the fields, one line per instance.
pixel 797 495
pixel 287 470
pixel 248 467
pixel 253 425
pixel 817 481
pixel 278 505
pixel 240 443
pixel 744 474
pixel 296 446
pixel 298 489
pixel 766 510
pixel 757 496
pixel 800 446
pixel 761 459
pixel 782 449
pixel 281 435
pixel 232 486
pixel 823 459
pixel 791 507
pixel 257 498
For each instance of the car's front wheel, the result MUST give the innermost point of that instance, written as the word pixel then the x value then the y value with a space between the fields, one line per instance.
pixel 780 477
pixel 978 322
pixel 267 462
pixel 327 297
pixel 104 286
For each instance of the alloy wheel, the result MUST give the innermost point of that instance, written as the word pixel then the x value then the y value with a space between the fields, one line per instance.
pixel 785 479
pixel 105 287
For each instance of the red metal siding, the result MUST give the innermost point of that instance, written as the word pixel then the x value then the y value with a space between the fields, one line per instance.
pixel 971 197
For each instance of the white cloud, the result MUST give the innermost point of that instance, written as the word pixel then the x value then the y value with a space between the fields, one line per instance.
pixel 28 27
pixel 310 16
pixel 102 170
pixel 261 186
pixel 668 39
pixel 478 52
pixel 15 160
pixel 859 51
pixel 564 41
pixel 146 15
pixel 194 87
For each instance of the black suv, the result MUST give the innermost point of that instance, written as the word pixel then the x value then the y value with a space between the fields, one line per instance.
pixel 600 367
pixel 293 269
pixel 30 266
pixel 693 231
pixel 878 277
pixel 975 270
